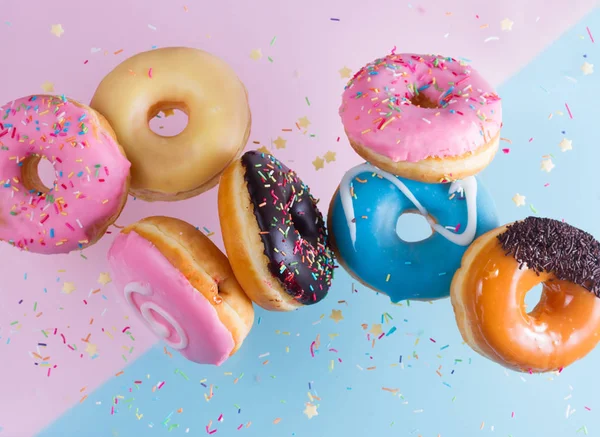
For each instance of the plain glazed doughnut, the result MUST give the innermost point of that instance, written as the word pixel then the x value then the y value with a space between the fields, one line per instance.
pixel 91 175
pixel 182 286
pixel 195 82
pixel 422 117
pixel 274 234
pixel 500 267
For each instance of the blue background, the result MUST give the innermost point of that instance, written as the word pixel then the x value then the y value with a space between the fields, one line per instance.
pixel 472 396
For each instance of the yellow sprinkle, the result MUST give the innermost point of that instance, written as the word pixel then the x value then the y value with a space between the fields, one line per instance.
pixel 389 120
pixel 387 278
pixel 365 131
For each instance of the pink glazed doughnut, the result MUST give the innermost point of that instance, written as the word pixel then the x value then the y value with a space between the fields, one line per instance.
pixel 90 168
pixel 422 117
pixel 182 287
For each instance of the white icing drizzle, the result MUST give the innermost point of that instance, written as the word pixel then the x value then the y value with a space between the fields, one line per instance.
pixel 146 309
pixel 467 185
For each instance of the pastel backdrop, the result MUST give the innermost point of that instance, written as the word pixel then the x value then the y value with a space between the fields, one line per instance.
pixel 75 361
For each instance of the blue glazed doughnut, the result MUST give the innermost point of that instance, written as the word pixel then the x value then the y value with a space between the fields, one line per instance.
pixel 362 219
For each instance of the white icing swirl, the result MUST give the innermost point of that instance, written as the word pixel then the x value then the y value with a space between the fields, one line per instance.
pixel 146 310
pixel 467 185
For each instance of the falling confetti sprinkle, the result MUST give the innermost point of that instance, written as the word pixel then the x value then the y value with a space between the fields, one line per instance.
pixel 506 24
pixel 318 163
pixel 280 143
pixel 345 72
pixel 57 30
pixel 48 87
pixel 565 145
pixel 256 54
pixel 336 315
pixel 519 199
pixel 68 288
pixel 587 68
pixel 311 410
pixel 547 165
pixel 329 156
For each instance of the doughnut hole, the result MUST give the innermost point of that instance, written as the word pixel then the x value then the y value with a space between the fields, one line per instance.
pixel 533 297
pixel 422 101
pixel 168 119
pixel 38 174
pixel 412 227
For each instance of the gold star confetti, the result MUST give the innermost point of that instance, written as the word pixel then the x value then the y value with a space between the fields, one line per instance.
pixel 310 410
pixel 506 24
pixel 336 315
pixel 318 163
pixel 345 72
pixel 57 30
pixel 303 122
pixel 329 156
pixel 68 288
pixel 104 278
pixel 376 329
pixel 565 145
pixel 48 87
pixel 168 112
pixel 587 68
pixel 256 54
pixel 263 149
pixel 91 349
pixel 519 199
pixel 547 165
pixel 280 143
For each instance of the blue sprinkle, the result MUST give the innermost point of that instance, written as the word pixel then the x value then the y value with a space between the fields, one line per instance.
pixel 51 232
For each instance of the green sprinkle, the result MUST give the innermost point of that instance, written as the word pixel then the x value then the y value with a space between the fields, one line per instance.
pixel 14 323
pixel 172 427
pixel 533 209
pixel 35 306
pixel 270 59
pixel 307 101
pixel 273 40
pixel 44 332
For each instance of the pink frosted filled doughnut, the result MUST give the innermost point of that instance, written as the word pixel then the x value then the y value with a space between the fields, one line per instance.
pixel 182 287
pixel 422 117
pixel 90 168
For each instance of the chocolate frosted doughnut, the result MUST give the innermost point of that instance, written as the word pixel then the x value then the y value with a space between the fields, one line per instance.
pixel 286 261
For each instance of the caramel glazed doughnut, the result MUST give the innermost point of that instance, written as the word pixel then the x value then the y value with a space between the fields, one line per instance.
pixel 195 82
pixel 500 267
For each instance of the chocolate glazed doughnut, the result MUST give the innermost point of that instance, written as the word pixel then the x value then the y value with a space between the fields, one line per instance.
pixel 274 234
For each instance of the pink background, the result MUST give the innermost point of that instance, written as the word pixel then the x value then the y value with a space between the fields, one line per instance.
pixel 309 50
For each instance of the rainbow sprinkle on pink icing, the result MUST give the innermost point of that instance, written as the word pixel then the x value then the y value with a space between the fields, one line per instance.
pixel 379 110
pixel 89 169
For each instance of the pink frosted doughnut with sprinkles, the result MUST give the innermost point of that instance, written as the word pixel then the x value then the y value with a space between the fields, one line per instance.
pixel 423 117
pixel 91 175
